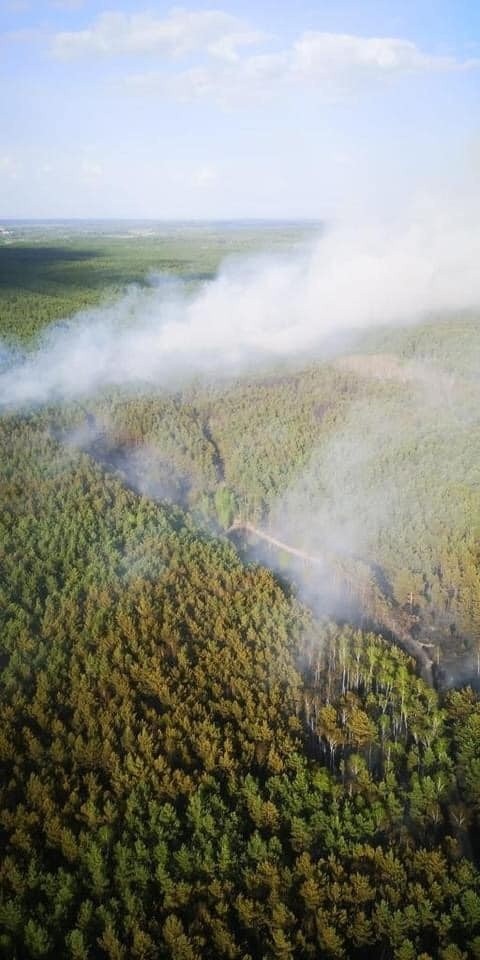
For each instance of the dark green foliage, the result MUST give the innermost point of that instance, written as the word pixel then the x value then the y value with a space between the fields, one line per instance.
pixel 173 785
pixel 191 766
pixel 385 471
pixel 48 272
pixel 390 429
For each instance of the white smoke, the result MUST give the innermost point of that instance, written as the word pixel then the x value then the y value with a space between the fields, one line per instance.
pixel 261 309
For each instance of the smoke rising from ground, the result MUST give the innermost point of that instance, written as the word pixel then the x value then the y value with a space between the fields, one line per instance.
pixel 260 309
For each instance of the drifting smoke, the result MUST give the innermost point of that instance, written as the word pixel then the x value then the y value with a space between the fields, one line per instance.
pixel 262 309
pixel 143 467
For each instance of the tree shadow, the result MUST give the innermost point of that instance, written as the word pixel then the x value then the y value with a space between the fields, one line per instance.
pixel 28 267
pixel 45 269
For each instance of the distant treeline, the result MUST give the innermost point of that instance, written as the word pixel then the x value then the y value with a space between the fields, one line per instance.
pixel 49 273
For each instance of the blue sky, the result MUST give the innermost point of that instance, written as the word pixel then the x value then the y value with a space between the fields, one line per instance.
pixel 274 109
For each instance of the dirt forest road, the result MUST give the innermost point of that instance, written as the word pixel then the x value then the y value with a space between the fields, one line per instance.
pixel 279 544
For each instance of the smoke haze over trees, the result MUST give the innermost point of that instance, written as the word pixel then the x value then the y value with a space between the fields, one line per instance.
pixel 262 308
pixel 194 763
pixel 239 480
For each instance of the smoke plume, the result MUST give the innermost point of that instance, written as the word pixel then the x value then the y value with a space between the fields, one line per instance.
pixel 258 310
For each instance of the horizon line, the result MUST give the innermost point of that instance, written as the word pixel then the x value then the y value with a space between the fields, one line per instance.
pixel 160 220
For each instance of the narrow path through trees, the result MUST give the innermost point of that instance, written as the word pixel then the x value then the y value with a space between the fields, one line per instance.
pixel 286 547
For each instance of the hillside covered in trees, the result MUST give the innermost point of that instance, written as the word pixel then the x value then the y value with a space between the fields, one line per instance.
pixel 201 757
pixel 371 458
pixel 192 766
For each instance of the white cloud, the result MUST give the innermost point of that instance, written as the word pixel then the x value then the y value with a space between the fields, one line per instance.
pixel 179 33
pixel 319 54
pixel 332 64
pixel 253 77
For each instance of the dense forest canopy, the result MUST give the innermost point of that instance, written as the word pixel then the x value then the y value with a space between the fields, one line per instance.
pixel 50 271
pixel 201 757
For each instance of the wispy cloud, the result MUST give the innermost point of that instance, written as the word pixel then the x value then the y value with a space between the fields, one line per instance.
pixel 331 63
pixel 181 32
pixel 318 54
pixel 254 77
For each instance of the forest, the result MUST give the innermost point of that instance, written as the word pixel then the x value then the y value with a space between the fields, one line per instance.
pixel 207 749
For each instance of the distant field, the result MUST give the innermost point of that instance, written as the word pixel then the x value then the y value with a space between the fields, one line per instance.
pixel 50 271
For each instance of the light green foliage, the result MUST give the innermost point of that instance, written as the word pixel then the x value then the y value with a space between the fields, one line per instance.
pixel 225 506
pixel 48 273
pixel 172 784
pixel 191 765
